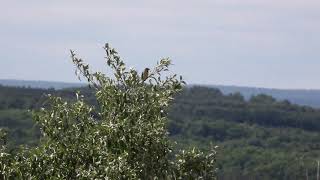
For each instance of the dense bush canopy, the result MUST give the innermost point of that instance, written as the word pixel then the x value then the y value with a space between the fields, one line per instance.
pixel 124 137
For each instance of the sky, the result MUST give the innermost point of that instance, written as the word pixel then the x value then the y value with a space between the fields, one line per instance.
pixel 260 43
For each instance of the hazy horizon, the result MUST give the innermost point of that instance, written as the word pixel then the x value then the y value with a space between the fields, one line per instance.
pixel 84 82
pixel 270 44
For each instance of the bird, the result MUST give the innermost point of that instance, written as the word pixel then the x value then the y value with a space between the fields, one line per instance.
pixel 145 74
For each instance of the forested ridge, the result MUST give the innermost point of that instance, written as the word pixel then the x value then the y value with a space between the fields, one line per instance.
pixel 259 138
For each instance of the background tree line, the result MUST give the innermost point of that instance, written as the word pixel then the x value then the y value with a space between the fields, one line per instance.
pixel 260 138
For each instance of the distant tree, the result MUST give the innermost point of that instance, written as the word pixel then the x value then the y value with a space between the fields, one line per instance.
pixel 263 99
pixel 124 137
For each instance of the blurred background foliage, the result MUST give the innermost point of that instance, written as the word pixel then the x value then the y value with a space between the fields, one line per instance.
pixel 259 138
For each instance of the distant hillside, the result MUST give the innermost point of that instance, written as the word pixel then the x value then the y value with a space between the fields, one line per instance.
pixel 300 96
pixel 39 84
pixel 259 138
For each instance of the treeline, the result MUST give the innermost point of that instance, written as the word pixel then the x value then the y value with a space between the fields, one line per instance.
pixel 259 138
pixel 32 98
pixel 202 102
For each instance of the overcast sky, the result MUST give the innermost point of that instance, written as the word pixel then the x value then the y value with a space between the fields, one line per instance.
pixel 261 43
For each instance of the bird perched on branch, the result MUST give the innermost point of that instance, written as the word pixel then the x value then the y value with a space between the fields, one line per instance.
pixel 145 74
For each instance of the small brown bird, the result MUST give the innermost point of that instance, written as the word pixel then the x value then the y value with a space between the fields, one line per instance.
pixel 145 74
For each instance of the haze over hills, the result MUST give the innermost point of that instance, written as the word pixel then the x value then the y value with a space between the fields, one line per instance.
pixel 297 96
pixel 39 84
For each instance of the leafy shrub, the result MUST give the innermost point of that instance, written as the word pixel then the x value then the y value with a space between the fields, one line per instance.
pixel 124 137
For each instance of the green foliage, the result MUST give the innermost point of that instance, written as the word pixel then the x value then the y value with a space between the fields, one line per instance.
pixel 254 143
pixel 193 164
pixel 208 103
pixel 123 137
pixel 21 127
pixel 259 139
